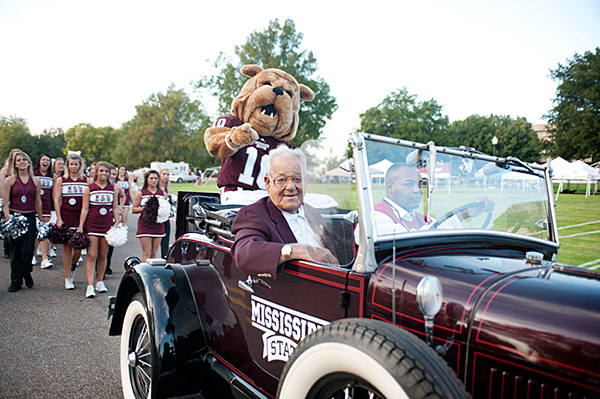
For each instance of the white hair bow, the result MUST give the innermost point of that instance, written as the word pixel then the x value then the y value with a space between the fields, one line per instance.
pixel 74 152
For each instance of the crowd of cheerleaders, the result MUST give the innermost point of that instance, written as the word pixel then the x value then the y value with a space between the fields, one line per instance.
pixel 69 195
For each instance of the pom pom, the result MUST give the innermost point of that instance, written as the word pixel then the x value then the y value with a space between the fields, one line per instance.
pixel 117 236
pixel 60 235
pixel 164 210
pixel 43 229
pixel 15 226
pixel 53 218
pixel 150 210
pixel 173 202
pixel 80 240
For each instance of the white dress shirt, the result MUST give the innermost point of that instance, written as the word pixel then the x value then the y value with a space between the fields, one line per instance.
pixel 301 229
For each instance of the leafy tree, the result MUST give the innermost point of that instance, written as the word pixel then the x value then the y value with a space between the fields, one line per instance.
pixel 400 115
pixel 515 136
pixel 14 133
pixel 51 141
pixel 278 46
pixel 167 126
pixel 95 143
pixel 575 119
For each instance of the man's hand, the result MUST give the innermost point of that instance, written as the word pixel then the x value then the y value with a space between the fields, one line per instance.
pixel 313 254
pixel 484 204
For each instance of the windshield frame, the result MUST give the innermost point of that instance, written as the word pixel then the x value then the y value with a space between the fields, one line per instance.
pixel 365 258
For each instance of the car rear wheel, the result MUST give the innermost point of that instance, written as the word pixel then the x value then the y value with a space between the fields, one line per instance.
pixel 137 356
pixel 360 358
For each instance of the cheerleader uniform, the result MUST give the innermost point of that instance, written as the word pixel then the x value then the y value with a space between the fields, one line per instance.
pixel 72 200
pixel 100 216
pixel 46 183
pixel 144 227
pixel 22 200
pixel 125 186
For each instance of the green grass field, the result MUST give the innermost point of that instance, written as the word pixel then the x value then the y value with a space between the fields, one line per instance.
pixel 572 211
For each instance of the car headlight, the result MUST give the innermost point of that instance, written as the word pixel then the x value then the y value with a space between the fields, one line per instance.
pixel 131 262
pixel 429 296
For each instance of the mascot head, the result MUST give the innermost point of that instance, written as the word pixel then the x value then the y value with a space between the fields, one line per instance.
pixel 270 101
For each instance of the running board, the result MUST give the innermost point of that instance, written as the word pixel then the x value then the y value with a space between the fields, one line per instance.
pixel 239 387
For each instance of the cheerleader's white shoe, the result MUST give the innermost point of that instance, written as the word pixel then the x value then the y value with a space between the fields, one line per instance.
pixel 69 285
pixel 90 293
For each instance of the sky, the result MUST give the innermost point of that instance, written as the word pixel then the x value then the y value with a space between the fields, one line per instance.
pixel 66 62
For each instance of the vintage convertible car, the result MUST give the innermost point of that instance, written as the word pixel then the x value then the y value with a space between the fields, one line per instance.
pixel 471 305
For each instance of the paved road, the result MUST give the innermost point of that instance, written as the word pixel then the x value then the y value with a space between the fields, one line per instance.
pixel 54 343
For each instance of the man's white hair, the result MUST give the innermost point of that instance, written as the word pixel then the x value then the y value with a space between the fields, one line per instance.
pixel 287 153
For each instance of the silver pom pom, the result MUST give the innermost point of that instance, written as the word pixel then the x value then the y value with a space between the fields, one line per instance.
pixel 15 226
pixel 164 210
pixel 53 218
pixel 173 202
pixel 116 237
pixel 43 229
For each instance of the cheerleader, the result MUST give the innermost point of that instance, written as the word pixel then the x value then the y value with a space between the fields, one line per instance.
pixel 44 174
pixel 125 182
pixel 149 233
pixel 22 196
pixel 163 184
pixel 68 195
pixel 120 201
pixel 99 206
pixel 4 173
pixel 58 168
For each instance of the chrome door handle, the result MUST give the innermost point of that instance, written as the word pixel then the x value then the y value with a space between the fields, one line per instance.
pixel 247 284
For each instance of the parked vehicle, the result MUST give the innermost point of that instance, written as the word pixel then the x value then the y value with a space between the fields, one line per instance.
pixel 181 178
pixel 174 168
pixel 481 308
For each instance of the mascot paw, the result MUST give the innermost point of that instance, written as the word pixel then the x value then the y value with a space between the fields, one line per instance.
pixel 242 136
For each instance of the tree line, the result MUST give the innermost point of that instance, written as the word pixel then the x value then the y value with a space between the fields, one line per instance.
pixel 171 125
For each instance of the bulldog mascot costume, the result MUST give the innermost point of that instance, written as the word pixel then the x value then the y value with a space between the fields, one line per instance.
pixel 264 115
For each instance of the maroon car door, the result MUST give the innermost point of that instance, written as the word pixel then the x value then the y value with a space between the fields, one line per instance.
pixel 275 314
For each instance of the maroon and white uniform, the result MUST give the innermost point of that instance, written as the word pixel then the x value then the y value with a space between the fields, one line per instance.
pixel 100 215
pixel 125 186
pixel 22 196
pixel 72 198
pixel 246 169
pixel 144 227
pixel 46 183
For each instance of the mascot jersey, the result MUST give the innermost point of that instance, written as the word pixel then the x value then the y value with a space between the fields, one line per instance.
pixel 248 166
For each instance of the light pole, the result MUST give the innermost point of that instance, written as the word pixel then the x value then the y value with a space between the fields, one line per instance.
pixel 494 142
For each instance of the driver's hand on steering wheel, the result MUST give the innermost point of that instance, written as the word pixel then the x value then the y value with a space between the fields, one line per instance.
pixel 482 204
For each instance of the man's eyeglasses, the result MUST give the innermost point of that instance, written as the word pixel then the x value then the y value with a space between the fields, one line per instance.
pixel 281 182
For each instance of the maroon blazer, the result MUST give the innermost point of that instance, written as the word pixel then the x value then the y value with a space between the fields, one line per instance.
pixel 261 231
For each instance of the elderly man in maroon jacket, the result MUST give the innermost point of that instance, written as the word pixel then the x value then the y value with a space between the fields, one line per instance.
pixel 281 227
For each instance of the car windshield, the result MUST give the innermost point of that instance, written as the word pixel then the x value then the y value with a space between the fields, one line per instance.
pixel 419 188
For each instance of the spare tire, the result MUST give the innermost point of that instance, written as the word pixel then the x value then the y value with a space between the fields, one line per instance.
pixel 355 358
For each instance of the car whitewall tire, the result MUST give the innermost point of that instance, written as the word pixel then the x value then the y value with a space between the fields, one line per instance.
pixel 366 358
pixel 136 355
pixel 332 357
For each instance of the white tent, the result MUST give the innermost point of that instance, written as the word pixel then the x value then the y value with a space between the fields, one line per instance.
pixel 339 172
pixel 559 167
pixel 382 166
pixel 575 172
pixel 525 180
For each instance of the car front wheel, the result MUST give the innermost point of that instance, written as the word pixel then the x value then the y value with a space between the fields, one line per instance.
pixel 360 358
pixel 137 356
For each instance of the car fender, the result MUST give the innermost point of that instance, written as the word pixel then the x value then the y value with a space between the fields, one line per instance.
pixel 177 334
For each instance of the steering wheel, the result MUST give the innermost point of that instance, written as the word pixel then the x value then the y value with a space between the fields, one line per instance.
pixel 471 205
